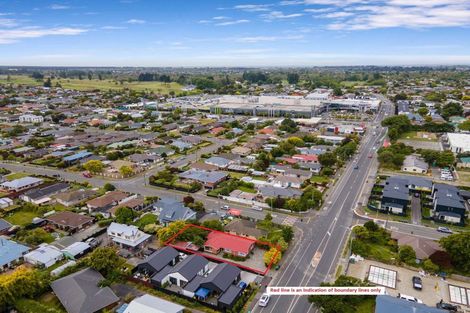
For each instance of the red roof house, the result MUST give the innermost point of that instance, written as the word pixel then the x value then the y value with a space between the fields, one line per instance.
pixel 235 245
pixel 217 131
pixel 309 158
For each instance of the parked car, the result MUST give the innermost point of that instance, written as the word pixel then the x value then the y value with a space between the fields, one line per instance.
pixel 417 283
pixel 263 301
pixel 409 298
pixel 356 167
pixel 225 207
pixel 443 229
pixel 447 306
pixel 87 174
pixel 257 208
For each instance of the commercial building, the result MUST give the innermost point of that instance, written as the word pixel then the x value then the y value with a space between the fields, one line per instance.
pixel 458 142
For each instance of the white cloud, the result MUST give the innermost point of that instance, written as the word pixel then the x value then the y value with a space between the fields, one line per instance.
pixel 253 7
pixel 13 35
pixel 372 14
pixel 59 7
pixel 136 21
pixel 8 22
pixel 234 22
pixel 218 18
pixel 110 27
pixel 278 15
pixel 255 39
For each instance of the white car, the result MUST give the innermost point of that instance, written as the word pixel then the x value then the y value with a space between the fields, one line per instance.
pixel 225 207
pixel 257 208
pixel 263 301
pixel 409 298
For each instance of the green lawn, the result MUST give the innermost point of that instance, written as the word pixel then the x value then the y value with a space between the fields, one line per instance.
pixel 86 84
pixel 14 176
pixel 20 217
pixel 366 306
pixel 47 303
pixel 320 179
pixel 393 217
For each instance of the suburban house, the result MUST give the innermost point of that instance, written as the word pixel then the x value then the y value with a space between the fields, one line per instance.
pixel 414 164
pixel 136 204
pixel 69 221
pixel 45 256
pixel 395 196
pixel 154 263
pixel 275 192
pixel 287 181
pixel 80 292
pixel 44 194
pixel 183 272
pixel 21 184
pixel 221 282
pixel 389 304
pixel 306 158
pixel 128 237
pixel 245 228
pixel 10 253
pixel 218 161
pixel 237 246
pixel 76 250
pixel 107 201
pixel 5 202
pixel 72 198
pixel 152 304
pixel 209 180
pixel 449 206
pixel 423 247
pixel 171 210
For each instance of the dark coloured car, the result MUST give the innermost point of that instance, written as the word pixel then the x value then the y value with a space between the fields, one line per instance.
pixel 417 283
pixel 447 306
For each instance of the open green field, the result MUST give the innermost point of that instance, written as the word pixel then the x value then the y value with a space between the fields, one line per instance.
pixel 413 135
pixel 86 84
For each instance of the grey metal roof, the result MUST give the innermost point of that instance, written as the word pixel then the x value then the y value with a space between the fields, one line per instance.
pixel 269 191
pixel 203 176
pixel 161 258
pixel 230 295
pixel 46 191
pixel 447 195
pixel 194 284
pixel 388 304
pixel 222 276
pixel 79 292
pixel 190 266
pixel 4 225
pixel 396 188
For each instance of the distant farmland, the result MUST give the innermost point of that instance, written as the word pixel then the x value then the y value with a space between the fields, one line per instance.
pixel 86 84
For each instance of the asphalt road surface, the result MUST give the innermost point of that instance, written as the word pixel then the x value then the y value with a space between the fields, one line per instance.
pixel 314 257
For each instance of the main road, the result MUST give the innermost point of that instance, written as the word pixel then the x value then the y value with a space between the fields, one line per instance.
pixel 318 248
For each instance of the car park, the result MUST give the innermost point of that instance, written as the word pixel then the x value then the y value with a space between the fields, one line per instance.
pixel 263 301
pixel 417 283
pixel 409 298
pixel 443 229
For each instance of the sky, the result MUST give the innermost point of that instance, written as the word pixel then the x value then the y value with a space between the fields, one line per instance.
pixel 234 33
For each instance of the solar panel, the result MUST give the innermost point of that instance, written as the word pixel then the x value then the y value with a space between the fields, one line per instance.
pixel 382 276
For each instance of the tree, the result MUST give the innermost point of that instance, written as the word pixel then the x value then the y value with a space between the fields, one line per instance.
pixel 458 247
pixel 337 91
pixel 465 125
pixel 287 233
pixel 429 266
pixel 445 158
pixel 94 166
pixel 272 255
pixel 339 303
pixel 125 215
pixel 371 226
pixel 109 187
pixel 288 125
pixel 451 109
pixel 262 162
pixel 188 200
pixel 48 83
pixel 126 170
pixel 105 260
pixel 165 233
pixel 423 111
pixel 327 159
pixel 213 224
pixel 407 255
pixel 292 78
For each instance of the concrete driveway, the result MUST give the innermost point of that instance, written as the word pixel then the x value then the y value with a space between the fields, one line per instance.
pixel 415 210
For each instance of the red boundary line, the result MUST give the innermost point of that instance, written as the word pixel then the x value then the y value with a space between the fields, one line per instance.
pixel 256 241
